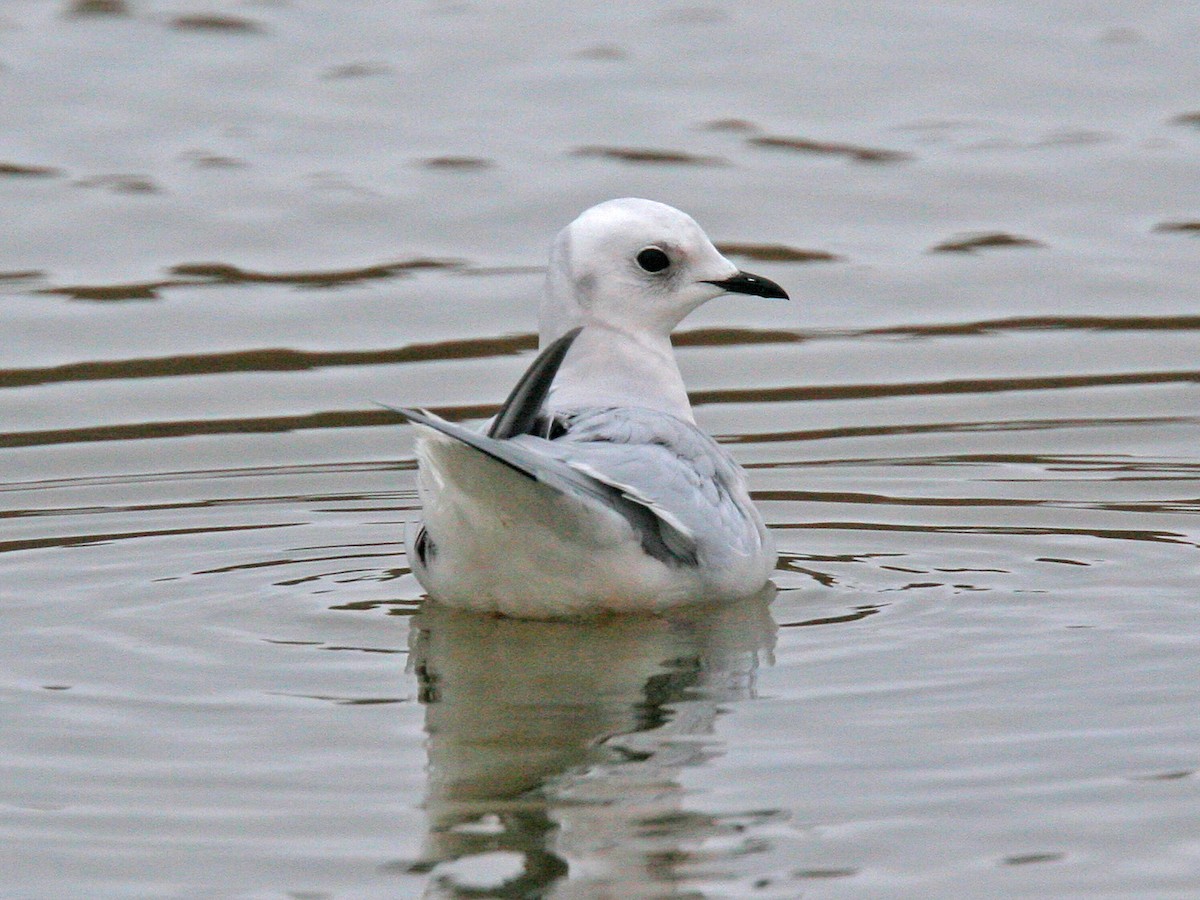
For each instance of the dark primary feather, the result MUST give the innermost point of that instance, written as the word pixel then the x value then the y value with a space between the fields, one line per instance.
pixel 521 412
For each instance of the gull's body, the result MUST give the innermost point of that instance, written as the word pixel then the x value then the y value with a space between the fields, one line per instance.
pixel 593 489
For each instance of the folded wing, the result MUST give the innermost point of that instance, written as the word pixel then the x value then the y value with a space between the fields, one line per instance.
pixel 660 537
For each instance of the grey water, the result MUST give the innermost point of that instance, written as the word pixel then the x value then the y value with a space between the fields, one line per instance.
pixel 229 227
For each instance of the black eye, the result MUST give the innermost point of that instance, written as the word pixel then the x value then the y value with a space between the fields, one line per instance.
pixel 653 260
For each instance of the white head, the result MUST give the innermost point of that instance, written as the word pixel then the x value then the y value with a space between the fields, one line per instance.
pixel 639 267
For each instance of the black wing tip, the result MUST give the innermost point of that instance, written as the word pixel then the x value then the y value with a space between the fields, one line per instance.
pixel 516 416
pixel 521 410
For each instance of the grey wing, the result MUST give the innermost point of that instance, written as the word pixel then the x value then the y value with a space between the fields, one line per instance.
pixel 671 466
pixel 660 536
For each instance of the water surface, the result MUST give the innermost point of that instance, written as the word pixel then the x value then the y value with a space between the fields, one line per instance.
pixel 232 227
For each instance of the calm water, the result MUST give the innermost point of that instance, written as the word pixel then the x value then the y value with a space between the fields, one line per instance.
pixel 230 227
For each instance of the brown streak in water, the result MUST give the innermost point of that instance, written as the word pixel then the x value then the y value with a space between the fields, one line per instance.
pixel 1047 462
pixel 1118 534
pixel 388 650
pixel 217 24
pixel 142 478
pixel 147 290
pixel 774 252
pixel 368 605
pixel 80 540
pixel 273 563
pixel 936 388
pixel 215 161
pixel 202 274
pixel 1028 858
pixel 287 360
pixel 969 243
pixel 457 163
pixel 83 8
pixel 121 183
pixel 346 701
pixel 601 53
pixel 743 126
pixel 855 431
pixel 371 418
pixel 1033 323
pixel 850 497
pixel 1173 506
pixel 1156 506
pixel 224 273
pixel 262 500
pixel 487 271
pixel 822 578
pixel 1178 227
pixel 259 425
pixel 733 337
pixel 855 616
pixel 1165 776
pixel 647 155
pixel 268 360
pixel 831 148
pixel 340 574
pixel 18 170
pixel 355 70
pixel 824 873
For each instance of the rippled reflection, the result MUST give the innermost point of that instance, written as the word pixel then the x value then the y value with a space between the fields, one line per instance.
pixel 557 746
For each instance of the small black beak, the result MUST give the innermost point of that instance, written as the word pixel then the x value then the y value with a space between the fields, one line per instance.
pixel 755 285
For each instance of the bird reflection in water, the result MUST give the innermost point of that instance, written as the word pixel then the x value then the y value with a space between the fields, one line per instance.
pixel 555 748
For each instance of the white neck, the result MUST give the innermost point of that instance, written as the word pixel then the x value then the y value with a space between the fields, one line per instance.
pixel 611 367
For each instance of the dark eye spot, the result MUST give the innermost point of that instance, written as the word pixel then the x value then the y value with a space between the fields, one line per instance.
pixel 653 260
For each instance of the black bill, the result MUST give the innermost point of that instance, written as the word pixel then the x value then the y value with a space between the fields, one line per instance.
pixel 755 285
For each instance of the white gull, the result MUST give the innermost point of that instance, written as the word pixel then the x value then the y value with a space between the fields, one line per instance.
pixel 593 489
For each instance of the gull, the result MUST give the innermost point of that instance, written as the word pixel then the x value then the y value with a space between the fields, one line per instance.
pixel 593 489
